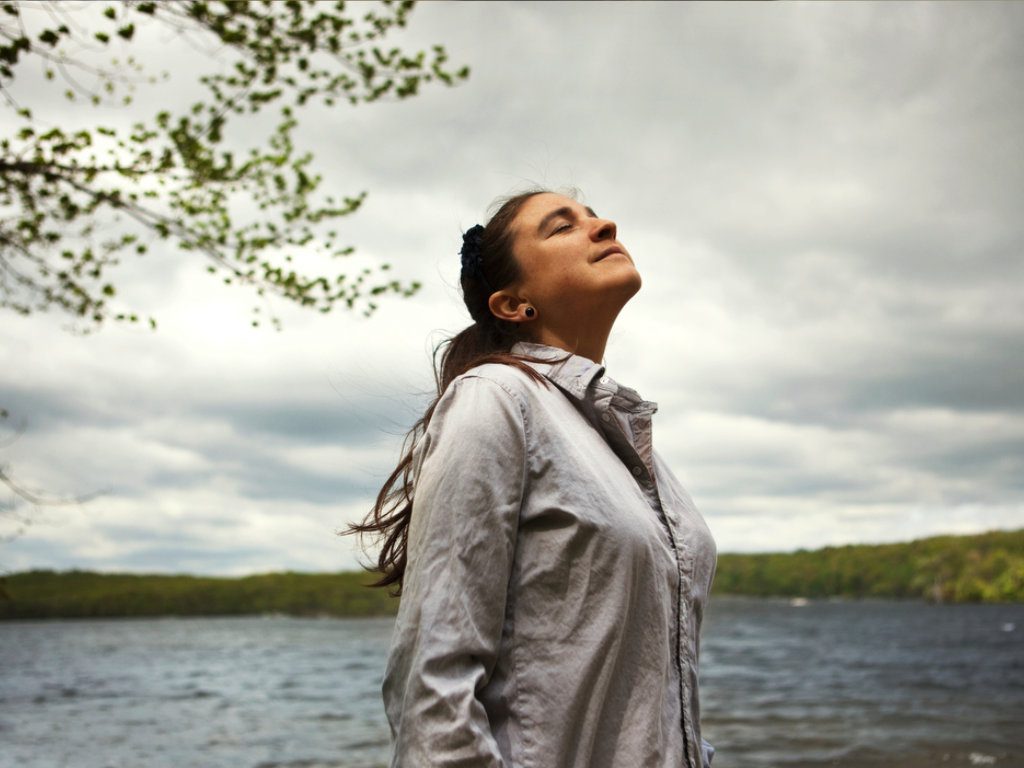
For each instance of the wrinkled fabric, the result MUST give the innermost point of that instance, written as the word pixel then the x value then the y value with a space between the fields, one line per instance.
pixel 556 580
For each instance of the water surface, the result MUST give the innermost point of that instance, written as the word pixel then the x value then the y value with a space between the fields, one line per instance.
pixel 868 683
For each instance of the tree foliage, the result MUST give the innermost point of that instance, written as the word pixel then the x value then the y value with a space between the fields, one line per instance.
pixel 988 567
pixel 81 594
pixel 73 202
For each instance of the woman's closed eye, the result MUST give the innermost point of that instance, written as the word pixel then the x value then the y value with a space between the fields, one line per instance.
pixel 561 228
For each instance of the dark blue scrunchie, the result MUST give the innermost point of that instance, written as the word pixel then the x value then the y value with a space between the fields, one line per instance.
pixel 472 254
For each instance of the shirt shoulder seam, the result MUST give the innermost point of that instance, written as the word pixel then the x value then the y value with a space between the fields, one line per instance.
pixel 511 393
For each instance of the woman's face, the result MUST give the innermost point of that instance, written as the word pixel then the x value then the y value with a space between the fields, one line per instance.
pixel 570 259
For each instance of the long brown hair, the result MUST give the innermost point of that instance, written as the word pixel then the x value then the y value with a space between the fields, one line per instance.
pixel 487 340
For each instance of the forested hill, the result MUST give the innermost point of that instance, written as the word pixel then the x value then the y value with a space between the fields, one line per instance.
pixel 988 567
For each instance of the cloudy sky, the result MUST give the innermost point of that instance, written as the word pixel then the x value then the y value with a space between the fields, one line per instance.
pixel 823 199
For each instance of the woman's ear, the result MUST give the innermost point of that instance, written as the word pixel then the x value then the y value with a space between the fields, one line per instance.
pixel 506 305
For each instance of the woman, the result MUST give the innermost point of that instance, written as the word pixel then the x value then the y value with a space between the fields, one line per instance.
pixel 553 571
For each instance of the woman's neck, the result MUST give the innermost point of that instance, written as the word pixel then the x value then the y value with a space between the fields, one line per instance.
pixel 588 341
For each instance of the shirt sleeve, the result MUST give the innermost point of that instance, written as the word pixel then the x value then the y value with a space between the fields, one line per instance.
pixel 708 751
pixel 462 534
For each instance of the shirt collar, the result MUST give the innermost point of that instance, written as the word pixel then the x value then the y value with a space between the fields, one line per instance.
pixel 581 377
pixel 573 373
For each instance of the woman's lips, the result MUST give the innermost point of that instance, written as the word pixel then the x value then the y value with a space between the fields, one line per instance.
pixel 610 252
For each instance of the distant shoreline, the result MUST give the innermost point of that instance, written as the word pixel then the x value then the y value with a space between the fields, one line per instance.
pixel 987 567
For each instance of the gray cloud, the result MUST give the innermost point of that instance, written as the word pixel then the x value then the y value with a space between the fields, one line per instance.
pixel 823 199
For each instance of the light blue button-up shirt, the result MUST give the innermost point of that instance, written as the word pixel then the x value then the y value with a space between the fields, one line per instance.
pixel 557 576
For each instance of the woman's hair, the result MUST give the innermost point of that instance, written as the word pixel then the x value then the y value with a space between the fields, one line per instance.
pixel 490 267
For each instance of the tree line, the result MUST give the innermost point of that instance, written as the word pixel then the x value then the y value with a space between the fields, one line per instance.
pixel 988 567
pixel 42 594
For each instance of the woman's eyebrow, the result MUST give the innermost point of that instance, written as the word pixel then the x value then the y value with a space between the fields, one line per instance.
pixel 565 211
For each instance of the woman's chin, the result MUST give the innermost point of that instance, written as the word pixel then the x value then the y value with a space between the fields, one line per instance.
pixel 630 281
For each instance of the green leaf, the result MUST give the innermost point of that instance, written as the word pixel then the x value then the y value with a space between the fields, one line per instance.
pixel 168 177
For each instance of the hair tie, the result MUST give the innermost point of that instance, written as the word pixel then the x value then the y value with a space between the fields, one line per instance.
pixel 472 255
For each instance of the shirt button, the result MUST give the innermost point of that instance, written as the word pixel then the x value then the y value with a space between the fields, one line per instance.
pixel 605 380
pixel 605 417
pixel 637 471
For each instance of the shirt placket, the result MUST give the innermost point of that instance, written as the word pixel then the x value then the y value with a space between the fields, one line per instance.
pixel 623 427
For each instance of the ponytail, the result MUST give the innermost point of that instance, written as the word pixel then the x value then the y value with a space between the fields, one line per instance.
pixel 488 264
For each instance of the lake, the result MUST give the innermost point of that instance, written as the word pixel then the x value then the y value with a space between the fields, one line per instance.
pixel 829 683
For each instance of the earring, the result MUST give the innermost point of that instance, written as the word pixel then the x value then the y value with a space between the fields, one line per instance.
pixel 530 312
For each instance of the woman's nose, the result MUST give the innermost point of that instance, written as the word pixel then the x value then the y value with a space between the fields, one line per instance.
pixel 603 229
